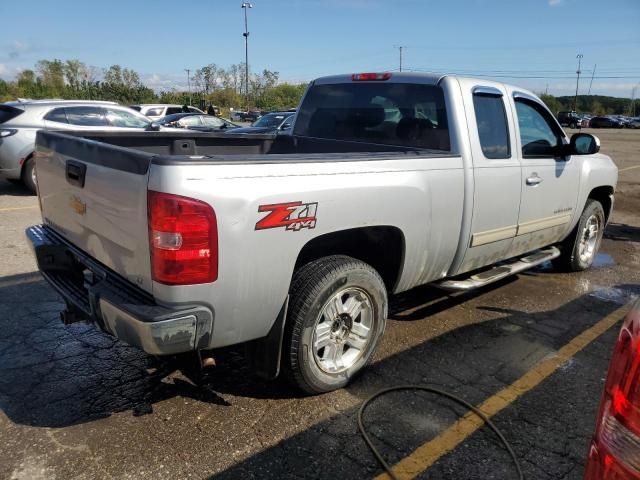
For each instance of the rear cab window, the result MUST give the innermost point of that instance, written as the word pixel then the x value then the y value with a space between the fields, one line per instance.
pixel 405 114
pixel 172 110
pixel 491 122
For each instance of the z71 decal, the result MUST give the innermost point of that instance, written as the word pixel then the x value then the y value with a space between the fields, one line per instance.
pixel 292 215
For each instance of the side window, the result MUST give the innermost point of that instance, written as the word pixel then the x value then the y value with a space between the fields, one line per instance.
pixel 87 116
pixel 57 115
pixel 154 112
pixel 172 110
pixel 193 110
pixel 538 132
pixel 493 128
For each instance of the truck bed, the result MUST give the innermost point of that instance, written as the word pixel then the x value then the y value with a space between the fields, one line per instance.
pixel 204 148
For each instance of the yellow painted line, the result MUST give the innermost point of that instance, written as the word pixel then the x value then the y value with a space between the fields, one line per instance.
pixel 16 208
pixel 628 168
pixel 428 453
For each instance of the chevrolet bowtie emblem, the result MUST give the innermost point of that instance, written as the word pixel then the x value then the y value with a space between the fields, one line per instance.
pixel 78 205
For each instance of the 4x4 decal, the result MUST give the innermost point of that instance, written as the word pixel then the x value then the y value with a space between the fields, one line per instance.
pixel 292 215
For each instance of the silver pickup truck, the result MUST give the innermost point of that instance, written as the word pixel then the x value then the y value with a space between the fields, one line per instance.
pixel 186 242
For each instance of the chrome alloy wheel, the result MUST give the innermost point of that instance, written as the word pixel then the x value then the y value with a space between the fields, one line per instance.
pixel 589 239
pixel 342 330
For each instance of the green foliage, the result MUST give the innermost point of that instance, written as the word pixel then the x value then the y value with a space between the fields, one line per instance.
pixel 592 104
pixel 211 84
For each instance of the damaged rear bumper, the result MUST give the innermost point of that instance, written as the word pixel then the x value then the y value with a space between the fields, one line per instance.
pixel 95 294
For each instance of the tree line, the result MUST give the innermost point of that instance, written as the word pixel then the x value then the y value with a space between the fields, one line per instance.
pixel 592 104
pixel 211 84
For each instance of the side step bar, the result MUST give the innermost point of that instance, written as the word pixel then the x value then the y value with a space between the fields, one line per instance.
pixel 499 272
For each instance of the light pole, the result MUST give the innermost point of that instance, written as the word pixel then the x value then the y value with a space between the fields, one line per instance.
pixel 400 47
pixel 188 83
pixel 246 6
pixel 575 99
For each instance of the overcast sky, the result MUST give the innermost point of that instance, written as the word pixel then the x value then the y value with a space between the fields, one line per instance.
pixel 532 43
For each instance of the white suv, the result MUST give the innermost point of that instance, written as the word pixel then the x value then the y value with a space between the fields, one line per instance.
pixel 20 120
pixel 155 111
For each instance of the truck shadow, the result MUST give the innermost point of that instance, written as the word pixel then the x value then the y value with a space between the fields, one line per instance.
pixel 53 375
pixel 14 189
pixel 622 232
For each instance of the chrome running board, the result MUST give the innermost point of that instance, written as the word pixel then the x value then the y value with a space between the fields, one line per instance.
pixel 503 270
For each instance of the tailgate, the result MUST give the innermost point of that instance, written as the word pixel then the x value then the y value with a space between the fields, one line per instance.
pixel 95 196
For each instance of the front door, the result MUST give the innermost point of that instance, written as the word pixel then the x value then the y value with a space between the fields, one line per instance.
pixel 549 182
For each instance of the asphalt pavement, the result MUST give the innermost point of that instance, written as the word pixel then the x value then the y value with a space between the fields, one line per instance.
pixel 77 404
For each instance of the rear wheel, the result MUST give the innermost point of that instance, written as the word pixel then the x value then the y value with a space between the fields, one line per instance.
pixel 29 175
pixel 337 312
pixel 580 248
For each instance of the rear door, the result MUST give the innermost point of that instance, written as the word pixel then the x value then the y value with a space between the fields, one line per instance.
pixel 549 182
pixel 497 173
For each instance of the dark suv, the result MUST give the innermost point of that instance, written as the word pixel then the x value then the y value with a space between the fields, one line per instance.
pixel 569 119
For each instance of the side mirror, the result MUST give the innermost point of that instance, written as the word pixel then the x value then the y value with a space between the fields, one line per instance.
pixel 584 144
pixel 284 126
pixel 153 127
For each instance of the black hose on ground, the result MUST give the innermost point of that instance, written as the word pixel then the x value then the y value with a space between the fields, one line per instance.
pixel 437 391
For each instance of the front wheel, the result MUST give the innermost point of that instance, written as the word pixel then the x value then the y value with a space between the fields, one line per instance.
pixel 580 248
pixel 337 313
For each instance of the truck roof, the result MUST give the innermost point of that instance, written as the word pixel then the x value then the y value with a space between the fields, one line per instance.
pixel 426 78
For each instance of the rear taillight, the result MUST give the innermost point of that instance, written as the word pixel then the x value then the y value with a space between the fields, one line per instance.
pixel 615 449
pixel 364 77
pixel 183 238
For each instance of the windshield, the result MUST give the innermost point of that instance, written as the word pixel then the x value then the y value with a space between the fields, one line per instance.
pixel 270 120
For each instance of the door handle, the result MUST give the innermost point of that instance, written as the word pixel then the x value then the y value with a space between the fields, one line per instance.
pixel 534 179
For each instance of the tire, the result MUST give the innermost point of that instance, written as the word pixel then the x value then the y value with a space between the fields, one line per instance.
pixel 573 125
pixel 325 345
pixel 29 175
pixel 580 247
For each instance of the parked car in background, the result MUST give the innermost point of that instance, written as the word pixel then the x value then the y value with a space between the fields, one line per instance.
pixel 615 449
pixel 155 111
pixel 20 120
pixel 250 116
pixel 569 119
pixel 605 122
pixel 273 122
pixel 634 123
pixel 585 121
pixel 196 121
